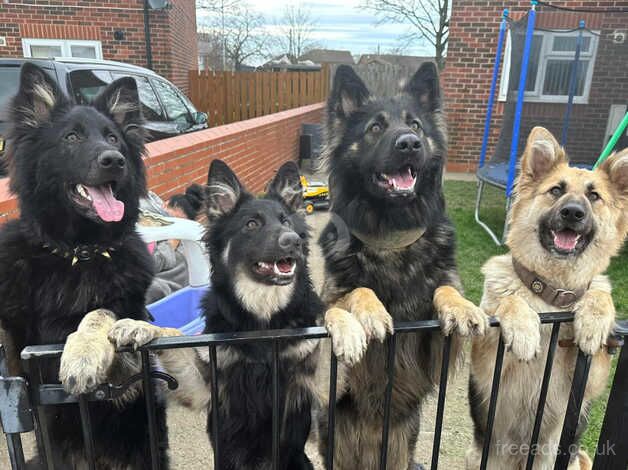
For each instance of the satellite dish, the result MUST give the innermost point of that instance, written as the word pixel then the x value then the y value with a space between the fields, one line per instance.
pixel 158 4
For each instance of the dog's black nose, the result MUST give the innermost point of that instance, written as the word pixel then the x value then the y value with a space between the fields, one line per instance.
pixel 111 159
pixel 407 143
pixel 573 212
pixel 289 241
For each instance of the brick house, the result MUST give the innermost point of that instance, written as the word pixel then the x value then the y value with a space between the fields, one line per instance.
pixel 602 93
pixel 327 56
pixel 110 29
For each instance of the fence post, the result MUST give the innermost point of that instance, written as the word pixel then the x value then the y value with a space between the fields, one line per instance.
pixel 572 415
pixel 612 447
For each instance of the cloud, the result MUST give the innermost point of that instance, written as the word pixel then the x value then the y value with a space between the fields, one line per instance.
pixel 340 25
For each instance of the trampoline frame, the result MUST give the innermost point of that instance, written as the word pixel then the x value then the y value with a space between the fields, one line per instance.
pixel 514 144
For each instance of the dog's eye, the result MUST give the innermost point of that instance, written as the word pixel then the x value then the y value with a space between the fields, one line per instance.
pixel 415 125
pixel 556 191
pixel 112 139
pixel 72 137
pixel 252 223
pixel 593 196
pixel 285 221
pixel 376 128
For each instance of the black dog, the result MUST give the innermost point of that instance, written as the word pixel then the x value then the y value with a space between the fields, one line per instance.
pixel 260 280
pixel 386 159
pixel 78 174
pixel 258 249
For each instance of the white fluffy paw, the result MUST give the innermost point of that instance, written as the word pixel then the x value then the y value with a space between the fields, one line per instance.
pixel 463 317
pixel 364 304
pixel 85 362
pixel 377 322
pixel 591 333
pixel 521 332
pixel 132 333
pixel 348 336
pixel 594 321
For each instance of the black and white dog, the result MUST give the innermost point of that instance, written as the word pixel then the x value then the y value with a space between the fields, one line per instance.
pixel 258 248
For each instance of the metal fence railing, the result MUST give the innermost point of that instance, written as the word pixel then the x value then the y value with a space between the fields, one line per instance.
pixel 22 398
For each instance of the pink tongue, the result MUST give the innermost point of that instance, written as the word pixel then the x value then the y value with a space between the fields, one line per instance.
pixel 566 240
pixel 107 206
pixel 284 266
pixel 403 180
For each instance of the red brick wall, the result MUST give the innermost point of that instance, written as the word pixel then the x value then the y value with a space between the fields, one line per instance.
pixel 182 41
pixel 466 79
pixel 173 31
pixel 474 28
pixel 254 149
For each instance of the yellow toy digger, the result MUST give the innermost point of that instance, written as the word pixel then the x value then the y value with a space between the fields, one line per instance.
pixel 315 195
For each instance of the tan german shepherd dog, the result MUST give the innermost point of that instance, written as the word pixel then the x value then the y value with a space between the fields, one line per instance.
pixel 565 225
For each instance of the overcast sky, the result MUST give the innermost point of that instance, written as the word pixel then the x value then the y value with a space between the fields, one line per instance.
pixel 344 25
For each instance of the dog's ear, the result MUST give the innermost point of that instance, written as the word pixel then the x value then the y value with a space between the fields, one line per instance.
pixel 348 92
pixel 223 190
pixel 541 155
pixel 121 101
pixel 425 86
pixel 37 96
pixel 616 166
pixel 286 186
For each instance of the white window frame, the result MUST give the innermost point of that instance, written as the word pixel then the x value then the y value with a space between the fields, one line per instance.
pixel 546 53
pixel 64 44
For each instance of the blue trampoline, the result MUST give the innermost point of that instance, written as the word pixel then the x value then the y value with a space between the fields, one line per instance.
pixel 501 169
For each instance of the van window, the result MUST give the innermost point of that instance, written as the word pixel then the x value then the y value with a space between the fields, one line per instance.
pixel 9 85
pixel 86 84
pixel 151 108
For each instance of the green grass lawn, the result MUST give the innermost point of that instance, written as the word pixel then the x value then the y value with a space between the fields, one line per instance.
pixel 475 247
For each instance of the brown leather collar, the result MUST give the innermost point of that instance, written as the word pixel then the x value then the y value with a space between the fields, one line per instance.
pixel 561 298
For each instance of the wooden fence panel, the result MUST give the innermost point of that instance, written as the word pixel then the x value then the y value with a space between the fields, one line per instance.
pixel 381 79
pixel 259 99
pixel 294 90
pixel 251 95
pixel 234 96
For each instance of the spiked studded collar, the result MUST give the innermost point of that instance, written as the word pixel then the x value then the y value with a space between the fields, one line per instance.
pixel 560 298
pixel 80 253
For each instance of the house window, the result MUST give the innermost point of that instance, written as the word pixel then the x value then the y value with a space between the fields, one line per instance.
pixel 46 48
pixel 549 69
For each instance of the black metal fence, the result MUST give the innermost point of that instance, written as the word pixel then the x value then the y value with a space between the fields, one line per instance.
pixel 22 399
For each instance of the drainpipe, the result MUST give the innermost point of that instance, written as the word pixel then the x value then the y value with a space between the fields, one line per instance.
pixel 149 51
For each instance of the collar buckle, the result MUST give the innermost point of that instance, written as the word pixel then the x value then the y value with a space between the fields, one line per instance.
pixel 82 253
pixel 565 298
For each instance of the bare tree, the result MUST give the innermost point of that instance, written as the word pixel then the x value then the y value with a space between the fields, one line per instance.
pixel 295 28
pixel 245 38
pixel 211 50
pixel 240 28
pixel 429 20
pixel 218 9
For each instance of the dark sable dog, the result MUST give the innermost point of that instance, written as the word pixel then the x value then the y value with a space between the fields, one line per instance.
pixel 78 175
pixel 258 248
pixel 386 158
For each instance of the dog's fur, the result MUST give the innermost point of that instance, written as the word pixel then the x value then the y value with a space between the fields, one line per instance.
pixel 546 185
pixel 243 231
pixel 400 244
pixel 45 294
